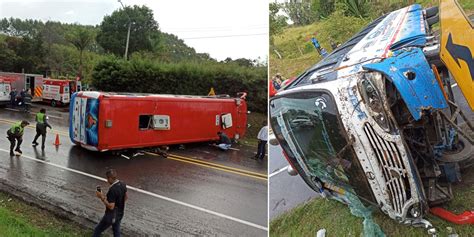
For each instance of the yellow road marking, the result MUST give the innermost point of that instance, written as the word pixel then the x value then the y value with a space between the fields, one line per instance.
pixel 210 166
pixel 221 166
pixel 180 158
pixel 217 168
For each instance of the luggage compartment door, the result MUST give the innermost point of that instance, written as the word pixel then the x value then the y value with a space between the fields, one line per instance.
pixel 457 46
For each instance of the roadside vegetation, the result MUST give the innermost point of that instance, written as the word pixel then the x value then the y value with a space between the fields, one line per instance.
pixel 157 62
pixel 255 120
pixel 291 53
pixel 18 219
pixel 335 217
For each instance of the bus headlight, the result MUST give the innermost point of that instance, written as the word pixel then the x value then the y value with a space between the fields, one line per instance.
pixel 415 211
pixel 374 102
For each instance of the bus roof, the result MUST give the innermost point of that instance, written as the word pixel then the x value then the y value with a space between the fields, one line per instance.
pixel 96 94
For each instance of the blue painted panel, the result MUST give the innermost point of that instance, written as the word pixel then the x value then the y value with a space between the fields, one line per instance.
pixel 412 31
pixel 423 92
pixel 418 41
pixel 91 122
pixel 71 109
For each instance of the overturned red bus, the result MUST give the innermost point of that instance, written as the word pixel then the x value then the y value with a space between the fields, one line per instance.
pixel 102 121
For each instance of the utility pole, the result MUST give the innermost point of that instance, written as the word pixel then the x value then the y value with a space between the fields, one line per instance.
pixel 128 32
pixel 128 38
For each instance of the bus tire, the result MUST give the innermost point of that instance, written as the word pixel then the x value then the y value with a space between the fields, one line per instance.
pixel 53 103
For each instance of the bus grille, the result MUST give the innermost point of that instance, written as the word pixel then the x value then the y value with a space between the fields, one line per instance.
pixel 393 169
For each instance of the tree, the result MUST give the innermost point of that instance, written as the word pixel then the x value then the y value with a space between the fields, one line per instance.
pixel 8 57
pixel 80 38
pixel 300 12
pixel 277 22
pixel 243 62
pixel 22 54
pixel 356 8
pixel 18 27
pixel 112 35
pixel 326 7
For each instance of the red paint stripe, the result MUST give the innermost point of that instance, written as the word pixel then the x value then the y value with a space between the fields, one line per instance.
pixel 395 35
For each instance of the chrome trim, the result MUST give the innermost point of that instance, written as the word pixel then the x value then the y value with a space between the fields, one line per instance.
pixel 394 171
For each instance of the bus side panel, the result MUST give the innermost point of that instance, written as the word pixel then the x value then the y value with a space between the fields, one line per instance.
pixel 242 119
pixel 190 121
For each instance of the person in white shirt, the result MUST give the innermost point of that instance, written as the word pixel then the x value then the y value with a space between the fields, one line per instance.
pixel 262 141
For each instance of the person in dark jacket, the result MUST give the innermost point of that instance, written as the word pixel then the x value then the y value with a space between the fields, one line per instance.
pixel 26 98
pixel 114 203
pixel 262 141
pixel 41 127
pixel 22 96
pixel 224 141
pixel 15 136
pixel 13 94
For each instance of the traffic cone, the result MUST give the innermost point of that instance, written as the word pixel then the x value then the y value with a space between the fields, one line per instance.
pixel 57 143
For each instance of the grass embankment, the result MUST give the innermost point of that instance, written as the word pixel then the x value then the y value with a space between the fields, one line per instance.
pixel 20 219
pixel 255 120
pixel 297 52
pixel 336 218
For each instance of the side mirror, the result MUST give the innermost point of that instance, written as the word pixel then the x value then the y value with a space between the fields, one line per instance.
pixel 273 142
pixel 291 171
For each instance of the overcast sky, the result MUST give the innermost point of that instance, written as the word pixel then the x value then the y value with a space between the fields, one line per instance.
pixel 222 28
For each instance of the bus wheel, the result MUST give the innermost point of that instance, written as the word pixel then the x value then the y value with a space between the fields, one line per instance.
pixel 53 103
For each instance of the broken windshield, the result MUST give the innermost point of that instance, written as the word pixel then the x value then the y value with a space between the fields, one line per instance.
pixel 307 125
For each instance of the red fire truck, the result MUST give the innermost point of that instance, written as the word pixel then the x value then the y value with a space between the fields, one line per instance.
pixel 20 81
pixel 56 92
pixel 116 121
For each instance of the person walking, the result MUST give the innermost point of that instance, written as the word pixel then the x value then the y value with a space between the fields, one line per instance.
pixel 41 127
pixel 262 141
pixel 13 94
pixel 27 98
pixel 15 136
pixel 224 141
pixel 114 203
pixel 22 97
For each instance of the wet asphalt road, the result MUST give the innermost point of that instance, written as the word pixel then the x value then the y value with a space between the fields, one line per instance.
pixel 173 196
pixel 287 192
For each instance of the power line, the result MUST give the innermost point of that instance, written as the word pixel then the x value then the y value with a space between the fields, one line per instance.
pixel 215 27
pixel 216 30
pixel 224 36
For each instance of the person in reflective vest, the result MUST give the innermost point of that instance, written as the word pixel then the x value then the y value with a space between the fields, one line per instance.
pixel 41 125
pixel 15 136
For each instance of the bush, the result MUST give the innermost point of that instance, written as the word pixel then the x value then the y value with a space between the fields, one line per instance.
pixel 339 27
pixel 186 78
